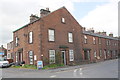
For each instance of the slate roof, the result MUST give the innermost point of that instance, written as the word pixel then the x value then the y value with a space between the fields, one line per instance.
pixel 98 35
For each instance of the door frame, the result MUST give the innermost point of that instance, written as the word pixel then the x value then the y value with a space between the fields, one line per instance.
pixel 63 52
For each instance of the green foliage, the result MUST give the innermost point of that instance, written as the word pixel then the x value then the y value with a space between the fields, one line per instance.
pixel 53 66
pixel 45 60
pixel 25 66
pixel 58 58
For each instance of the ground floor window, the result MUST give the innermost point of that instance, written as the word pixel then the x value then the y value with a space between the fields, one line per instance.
pixel 51 56
pixel 108 53
pixel 8 55
pixel 16 57
pixel 100 53
pixel 71 55
pixel 31 57
pixel 95 54
pixel 105 54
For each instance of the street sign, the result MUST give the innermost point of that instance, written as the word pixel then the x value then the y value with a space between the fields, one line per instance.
pixel 1 53
pixel 39 64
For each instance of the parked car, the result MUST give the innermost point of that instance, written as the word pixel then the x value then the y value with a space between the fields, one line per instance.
pixel 4 63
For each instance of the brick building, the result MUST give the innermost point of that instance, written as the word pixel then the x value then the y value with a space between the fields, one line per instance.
pixel 58 33
pixel 3 51
pixel 98 46
pixel 52 33
pixel 10 51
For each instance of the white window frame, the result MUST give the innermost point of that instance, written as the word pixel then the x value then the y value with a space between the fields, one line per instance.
pixel 31 37
pixel 71 55
pixel 51 56
pixel 63 20
pixel 94 40
pixel 16 56
pixel 31 60
pixel 95 54
pixel 100 53
pixel 70 37
pixel 51 34
pixel 85 39
pixel 16 41
pixel 99 40
pixel 8 55
pixel 108 53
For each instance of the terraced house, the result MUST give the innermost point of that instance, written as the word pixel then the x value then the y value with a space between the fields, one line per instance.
pixel 56 35
pixel 98 46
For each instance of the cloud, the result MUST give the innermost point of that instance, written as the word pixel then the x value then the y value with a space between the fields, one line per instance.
pixel 15 13
pixel 104 17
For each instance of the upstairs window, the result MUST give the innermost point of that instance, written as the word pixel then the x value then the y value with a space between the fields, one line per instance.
pixel 51 34
pixel 108 42
pixel 100 53
pixel 30 37
pixel 63 20
pixel 99 40
pixel 94 40
pixel 70 37
pixel 16 41
pixel 85 39
pixel 51 56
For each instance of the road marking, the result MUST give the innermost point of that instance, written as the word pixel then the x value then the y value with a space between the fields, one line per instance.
pixel 75 70
pixel 53 76
pixel 81 73
pixel 80 69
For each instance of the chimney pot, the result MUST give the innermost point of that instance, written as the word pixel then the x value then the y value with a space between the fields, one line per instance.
pixel 111 35
pixel 44 12
pixel 33 18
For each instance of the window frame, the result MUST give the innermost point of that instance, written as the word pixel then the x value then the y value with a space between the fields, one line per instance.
pixel 70 37
pixel 71 55
pixel 30 37
pixel 94 40
pixel 51 38
pixel 63 20
pixel 31 57
pixel 95 54
pixel 51 57
pixel 100 52
pixel 16 41
pixel 85 39
pixel 99 40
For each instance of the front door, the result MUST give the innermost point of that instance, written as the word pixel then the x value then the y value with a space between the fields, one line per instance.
pixel 63 57
pixel 87 55
pixel 19 57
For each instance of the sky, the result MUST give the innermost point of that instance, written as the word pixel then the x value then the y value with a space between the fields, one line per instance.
pixel 102 15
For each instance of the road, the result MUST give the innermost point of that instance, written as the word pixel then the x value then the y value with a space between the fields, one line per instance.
pixel 106 69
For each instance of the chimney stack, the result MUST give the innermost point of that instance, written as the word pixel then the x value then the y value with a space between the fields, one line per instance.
pixel 91 30
pixel 111 34
pixel 44 12
pixel 33 18
pixel 83 28
pixel 104 33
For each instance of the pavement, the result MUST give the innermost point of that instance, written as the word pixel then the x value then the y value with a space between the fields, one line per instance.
pixel 106 69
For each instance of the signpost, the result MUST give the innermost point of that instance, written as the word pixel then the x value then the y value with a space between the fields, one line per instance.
pixel 39 65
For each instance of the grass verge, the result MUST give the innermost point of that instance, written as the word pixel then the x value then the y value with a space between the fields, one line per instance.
pixel 50 66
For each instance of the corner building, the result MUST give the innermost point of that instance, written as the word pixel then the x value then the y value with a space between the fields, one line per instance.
pixel 44 37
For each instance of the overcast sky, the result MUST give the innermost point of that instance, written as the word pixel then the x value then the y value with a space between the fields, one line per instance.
pixel 102 15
